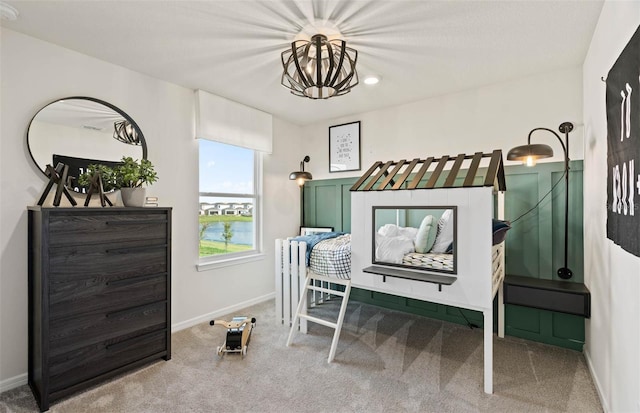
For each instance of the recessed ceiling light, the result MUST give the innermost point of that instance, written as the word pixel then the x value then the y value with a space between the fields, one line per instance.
pixel 8 12
pixel 371 79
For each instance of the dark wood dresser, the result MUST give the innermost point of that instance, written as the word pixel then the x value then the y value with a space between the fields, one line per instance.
pixel 99 295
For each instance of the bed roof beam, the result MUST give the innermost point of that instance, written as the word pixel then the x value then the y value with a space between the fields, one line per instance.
pixel 473 169
pixel 375 179
pixel 405 174
pixel 495 172
pixel 365 176
pixel 416 179
pixel 453 173
pixel 391 175
pixel 436 173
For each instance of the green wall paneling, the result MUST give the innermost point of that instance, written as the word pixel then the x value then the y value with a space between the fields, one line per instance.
pixel 534 248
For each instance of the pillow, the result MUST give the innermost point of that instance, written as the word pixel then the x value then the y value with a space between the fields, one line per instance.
pixel 392 230
pixel 426 235
pixel 392 249
pixel 388 230
pixel 499 230
pixel 445 232
pixel 408 232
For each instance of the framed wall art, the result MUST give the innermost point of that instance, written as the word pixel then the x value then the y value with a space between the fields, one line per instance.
pixel 344 147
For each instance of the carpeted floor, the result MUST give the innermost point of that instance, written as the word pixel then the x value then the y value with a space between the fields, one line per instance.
pixel 386 361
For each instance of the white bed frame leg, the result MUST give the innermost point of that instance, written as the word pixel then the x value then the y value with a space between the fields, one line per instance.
pixel 279 292
pixel 488 351
pixel 501 310
pixel 302 280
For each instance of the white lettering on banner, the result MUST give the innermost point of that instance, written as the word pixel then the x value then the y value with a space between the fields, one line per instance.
pixel 623 189
pixel 625 113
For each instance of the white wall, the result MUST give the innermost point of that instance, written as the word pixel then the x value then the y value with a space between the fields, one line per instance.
pixel 35 73
pixel 497 116
pixel 612 275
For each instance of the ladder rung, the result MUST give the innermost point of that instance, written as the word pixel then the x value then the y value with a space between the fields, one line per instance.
pixel 318 320
pixel 325 290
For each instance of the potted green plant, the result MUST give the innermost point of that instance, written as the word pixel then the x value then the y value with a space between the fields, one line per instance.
pixel 130 176
pixel 106 174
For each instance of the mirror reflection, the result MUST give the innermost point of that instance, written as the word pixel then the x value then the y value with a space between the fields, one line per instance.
pixel 417 238
pixel 80 131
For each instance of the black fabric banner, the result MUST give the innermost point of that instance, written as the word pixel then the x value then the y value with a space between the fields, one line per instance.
pixel 623 148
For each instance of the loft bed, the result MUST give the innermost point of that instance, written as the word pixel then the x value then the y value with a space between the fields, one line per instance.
pixel 473 272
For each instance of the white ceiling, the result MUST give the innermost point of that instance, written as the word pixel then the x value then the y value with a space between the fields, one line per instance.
pixel 232 47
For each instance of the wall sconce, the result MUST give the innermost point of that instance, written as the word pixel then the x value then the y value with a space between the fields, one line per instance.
pixel 301 177
pixel 529 154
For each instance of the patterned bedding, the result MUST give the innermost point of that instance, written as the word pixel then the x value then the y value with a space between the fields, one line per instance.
pixel 332 257
pixel 429 260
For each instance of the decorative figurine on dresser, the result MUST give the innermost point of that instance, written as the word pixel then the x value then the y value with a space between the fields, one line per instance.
pixel 99 277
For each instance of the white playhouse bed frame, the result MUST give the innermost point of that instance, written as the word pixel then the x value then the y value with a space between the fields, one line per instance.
pixel 480 265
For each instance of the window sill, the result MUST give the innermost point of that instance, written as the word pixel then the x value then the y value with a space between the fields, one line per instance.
pixel 211 265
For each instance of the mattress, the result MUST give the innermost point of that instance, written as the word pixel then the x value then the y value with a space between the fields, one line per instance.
pixel 429 260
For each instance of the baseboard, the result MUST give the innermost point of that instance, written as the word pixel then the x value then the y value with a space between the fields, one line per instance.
pixel 596 382
pixel 223 311
pixel 13 382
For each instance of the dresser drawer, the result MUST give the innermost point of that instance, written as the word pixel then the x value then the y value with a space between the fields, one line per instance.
pixel 70 333
pixel 123 260
pixel 72 229
pixel 109 294
pixel 79 365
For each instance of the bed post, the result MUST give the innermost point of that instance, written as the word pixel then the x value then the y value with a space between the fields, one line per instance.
pixel 279 292
pixel 488 350
pixel 503 269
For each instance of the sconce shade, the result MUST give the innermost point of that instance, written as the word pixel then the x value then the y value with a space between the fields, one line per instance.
pixel 319 68
pixel 530 153
pixel 306 176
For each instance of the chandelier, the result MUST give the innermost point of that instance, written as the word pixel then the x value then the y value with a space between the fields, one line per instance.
pixel 319 68
pixel 124 132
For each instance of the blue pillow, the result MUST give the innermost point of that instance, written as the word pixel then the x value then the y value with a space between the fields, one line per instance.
pixel 499 229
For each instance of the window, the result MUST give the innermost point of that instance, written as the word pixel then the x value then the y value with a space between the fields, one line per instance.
pixel 229 202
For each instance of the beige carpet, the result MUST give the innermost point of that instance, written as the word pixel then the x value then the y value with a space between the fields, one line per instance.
pixel 386 361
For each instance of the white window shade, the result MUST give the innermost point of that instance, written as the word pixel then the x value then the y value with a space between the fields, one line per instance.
pixel 223 120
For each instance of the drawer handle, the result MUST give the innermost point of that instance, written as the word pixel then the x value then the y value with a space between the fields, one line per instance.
pixel 126 250
pixel 127 343
pixel 134 280
pixel 131 310
pixel 137 222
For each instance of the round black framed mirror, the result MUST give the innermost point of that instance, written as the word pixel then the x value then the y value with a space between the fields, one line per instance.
pixel 79 131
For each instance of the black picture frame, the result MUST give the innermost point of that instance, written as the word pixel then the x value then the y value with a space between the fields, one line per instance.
pixel 344 147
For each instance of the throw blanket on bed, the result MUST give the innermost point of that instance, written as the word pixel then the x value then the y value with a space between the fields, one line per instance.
pixel 332 257
pixel 313 239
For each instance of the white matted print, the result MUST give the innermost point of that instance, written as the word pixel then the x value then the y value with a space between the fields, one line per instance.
pixel 344 147
pixel 314 230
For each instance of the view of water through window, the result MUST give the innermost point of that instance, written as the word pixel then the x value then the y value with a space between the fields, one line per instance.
pixel 227 199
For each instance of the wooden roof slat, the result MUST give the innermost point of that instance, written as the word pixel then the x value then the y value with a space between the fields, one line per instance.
pixel 405 174
pixel 418 177
pixel 494 164
pixel 494 175
pixel 453 173
pixel 436 173
pixel 375 179
pixel 365 176
pixel 473 169
pixel 393 173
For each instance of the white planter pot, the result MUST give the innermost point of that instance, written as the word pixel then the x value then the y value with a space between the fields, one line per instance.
pixel 133 197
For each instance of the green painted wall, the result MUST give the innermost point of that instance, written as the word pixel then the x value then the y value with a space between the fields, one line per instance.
pixel 534 248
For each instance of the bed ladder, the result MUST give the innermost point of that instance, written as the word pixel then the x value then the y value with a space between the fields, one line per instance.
pixel 301 312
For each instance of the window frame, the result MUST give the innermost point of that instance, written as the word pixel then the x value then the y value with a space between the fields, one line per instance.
pixel 257 253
